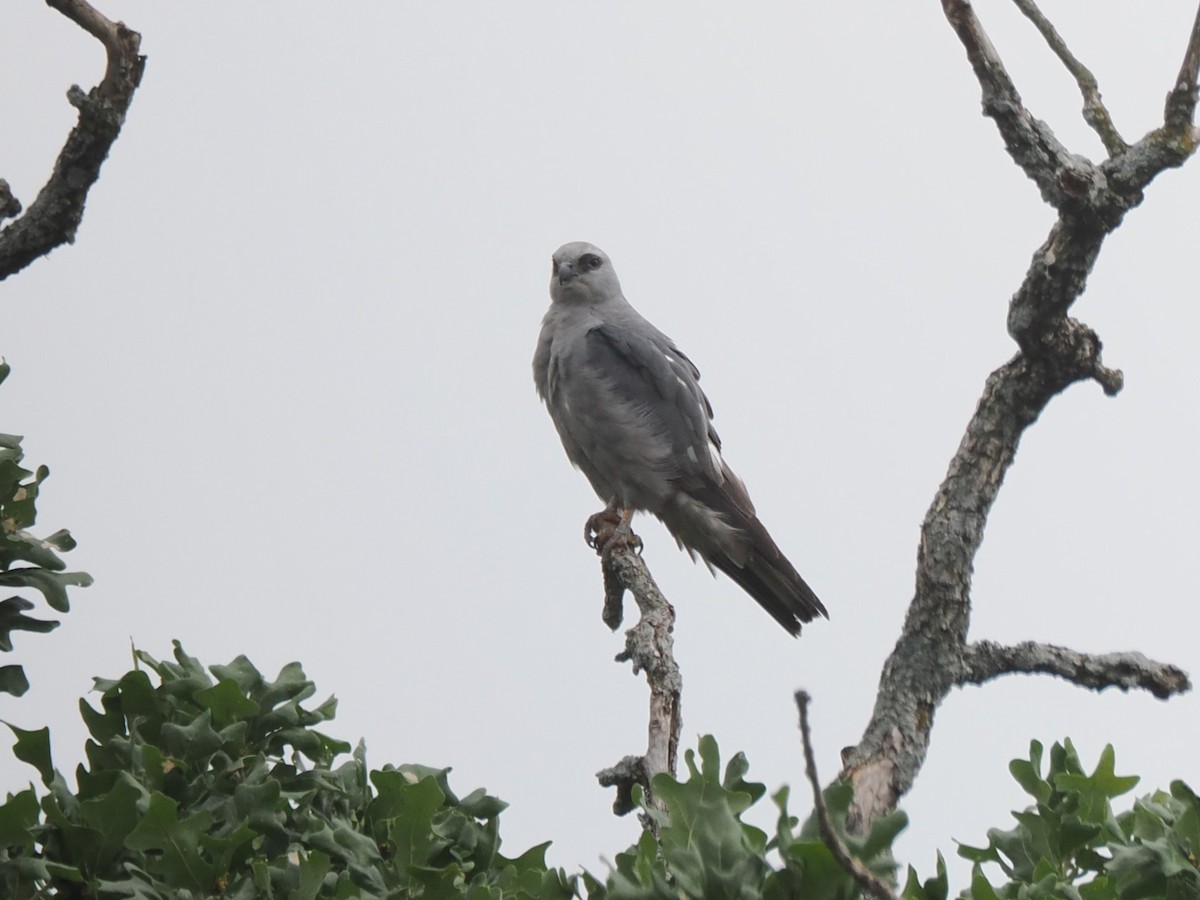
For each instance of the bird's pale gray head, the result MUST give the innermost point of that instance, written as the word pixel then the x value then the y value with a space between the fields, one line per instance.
pixel 582 273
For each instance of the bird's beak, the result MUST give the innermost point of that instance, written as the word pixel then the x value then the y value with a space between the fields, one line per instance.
pixel 566 272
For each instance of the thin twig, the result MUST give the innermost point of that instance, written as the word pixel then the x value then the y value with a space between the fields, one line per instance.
pixel 867 880
pixel 1181 102
pixel 1095 113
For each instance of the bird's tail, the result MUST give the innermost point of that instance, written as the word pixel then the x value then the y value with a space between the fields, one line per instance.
pixel 770 578
pixel 745 551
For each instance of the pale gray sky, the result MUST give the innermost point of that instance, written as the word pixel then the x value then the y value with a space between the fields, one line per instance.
pixel 283 382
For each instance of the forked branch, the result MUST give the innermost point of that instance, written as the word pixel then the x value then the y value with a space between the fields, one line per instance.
pixel 1181 102
pixel 932 655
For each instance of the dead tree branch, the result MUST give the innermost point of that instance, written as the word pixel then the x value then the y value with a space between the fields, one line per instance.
pixel 649 646
pixel 985 660
pixel 1095 113
pixel 1181 102
pixel 871 883
pixel 53 218
pixel 932 655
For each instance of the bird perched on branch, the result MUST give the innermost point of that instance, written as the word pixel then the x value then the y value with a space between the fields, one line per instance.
pixel 629 409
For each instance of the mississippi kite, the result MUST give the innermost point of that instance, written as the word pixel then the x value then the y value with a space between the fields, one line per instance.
pixel 629 409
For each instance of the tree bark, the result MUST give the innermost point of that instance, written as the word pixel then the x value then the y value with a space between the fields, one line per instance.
pixel 1055 351
pixel 649 647
pixel 54 216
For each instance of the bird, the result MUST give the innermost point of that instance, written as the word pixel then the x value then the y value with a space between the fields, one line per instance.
pixel 628 406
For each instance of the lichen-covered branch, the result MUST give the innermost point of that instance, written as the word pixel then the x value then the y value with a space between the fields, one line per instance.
pixel 932 655
pixel 1181 102
pixel 1030 142
pixel 649 646
pixel 54 216
pixel 985 660
pixel 1095 113
pixel 9 205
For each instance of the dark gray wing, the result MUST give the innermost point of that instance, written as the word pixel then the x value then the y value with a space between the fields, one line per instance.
pixel 649 371
pixel 708 511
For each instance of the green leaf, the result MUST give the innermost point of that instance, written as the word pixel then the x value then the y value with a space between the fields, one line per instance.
pixel 290 685
pixel 314 867
pixel 706 846
pixel 981 888
pixel 883 833
pixel 13 618
pixel 13 681
pixel 978 854
pixel 243 673
pixel 33 747
pixel 113 815
pixel 53 585
pixel 80 842
pixel 480 804
pixel 936 888
pixel 403 815
pixel 1028 774
pixel 18 816
pixel 226 702
pixel 103 726
pixel 1099 787
pixel 178 841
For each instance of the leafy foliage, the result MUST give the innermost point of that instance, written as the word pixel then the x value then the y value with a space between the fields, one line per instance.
pixel 706 850
pixel 201 784
pixel 1070 844
pixel 44 570
pixel 216 783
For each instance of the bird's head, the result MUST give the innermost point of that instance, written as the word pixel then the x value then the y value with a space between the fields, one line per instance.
pixel 582 273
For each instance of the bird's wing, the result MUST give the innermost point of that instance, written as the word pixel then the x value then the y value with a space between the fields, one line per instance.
pixel 645 369
pixel 707 509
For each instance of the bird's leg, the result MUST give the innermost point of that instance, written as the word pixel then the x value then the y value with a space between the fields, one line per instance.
pixel 600 527
pixel 606 530
pixel 624 529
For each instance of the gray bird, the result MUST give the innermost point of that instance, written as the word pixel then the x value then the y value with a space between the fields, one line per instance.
pixel 628 406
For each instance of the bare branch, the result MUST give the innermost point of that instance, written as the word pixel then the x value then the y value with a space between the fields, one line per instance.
pixel 649 646
pixel 124 70
pixel 932 656
pixel 9 205
pixel 1029 141
pixel 986 660
pixel 922 668
pixel 52 218
pixel 1181 102
pixel 1169 146
pixel 1095 113
pixel 867 880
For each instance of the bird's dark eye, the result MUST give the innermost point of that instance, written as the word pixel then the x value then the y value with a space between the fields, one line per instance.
pixel 590 261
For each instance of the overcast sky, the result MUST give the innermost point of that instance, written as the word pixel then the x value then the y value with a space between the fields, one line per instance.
pixel 283 377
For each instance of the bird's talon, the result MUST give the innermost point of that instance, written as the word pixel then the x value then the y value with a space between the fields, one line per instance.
pixel 601 528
